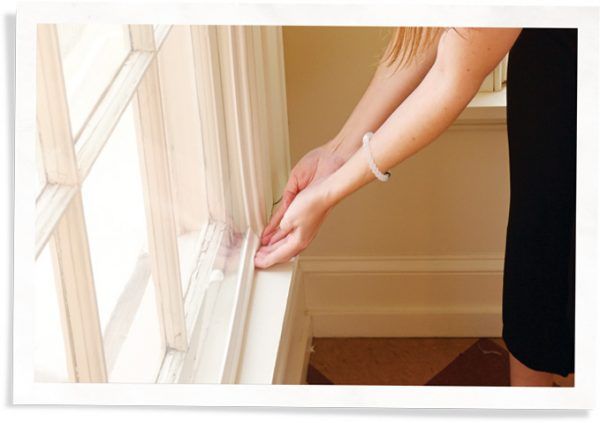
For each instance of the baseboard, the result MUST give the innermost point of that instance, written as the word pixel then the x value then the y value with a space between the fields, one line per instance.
pixel 408 323
pixel 424 296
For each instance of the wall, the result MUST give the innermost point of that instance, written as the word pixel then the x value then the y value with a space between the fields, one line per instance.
pixel 450 200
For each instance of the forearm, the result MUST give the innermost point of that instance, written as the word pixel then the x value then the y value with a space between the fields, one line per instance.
pixel 463 60
pixel 388 88
pixel 418 121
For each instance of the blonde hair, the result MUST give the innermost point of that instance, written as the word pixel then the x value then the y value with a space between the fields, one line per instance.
pixel 407 43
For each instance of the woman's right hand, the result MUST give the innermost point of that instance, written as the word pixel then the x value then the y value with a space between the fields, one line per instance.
pixel 315 166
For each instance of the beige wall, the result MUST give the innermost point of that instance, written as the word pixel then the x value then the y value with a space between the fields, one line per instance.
pixel 450 199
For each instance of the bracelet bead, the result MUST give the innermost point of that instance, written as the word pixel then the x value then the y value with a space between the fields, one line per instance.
pixel 383 177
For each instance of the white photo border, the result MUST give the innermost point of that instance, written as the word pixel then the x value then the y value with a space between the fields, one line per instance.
pixel 357 13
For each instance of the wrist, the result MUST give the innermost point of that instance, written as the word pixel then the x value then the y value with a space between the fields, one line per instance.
pixel 330 191
pixel 342 147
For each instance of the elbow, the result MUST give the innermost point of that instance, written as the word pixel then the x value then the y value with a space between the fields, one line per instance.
pixel 458 80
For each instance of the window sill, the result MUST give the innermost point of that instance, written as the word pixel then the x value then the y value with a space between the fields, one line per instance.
pixel 486 109
pixel 495 99
pixel 265 325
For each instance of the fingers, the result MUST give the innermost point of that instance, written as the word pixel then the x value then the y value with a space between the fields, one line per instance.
pixel 284 229
pixel 281 231
pixel 273 225
pixel 279 252
pixel 265 249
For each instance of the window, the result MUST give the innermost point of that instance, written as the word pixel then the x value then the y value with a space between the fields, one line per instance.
pixel 158 167
pixel 496 80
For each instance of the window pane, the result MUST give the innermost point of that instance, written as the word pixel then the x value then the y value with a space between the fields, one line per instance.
pixel 113 204
pixel 217 289
pixel 91 56
pixel 49 358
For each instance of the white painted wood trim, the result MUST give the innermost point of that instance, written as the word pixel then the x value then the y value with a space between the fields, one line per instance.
pixel 69 245
pixel 402 264
pixel 498 78
pixel 77 297
pixel 292 355
pixel 93 135
pixel 92 139
pixel 50 206
pixel 161 32
pixel 485 112
pixel 276 110
pixel 235 76
pixel 411 323
pixel 172 369
pixel 107 113
pixel 238 318
pixel 500 74
pixel 162 238
pixel 206 253
pixel 265 329
pixel 257 117
pixel 231 81
pixel 212 118
pixel 356 296
pixel 110 107
pixel 53 122
pixel 183 130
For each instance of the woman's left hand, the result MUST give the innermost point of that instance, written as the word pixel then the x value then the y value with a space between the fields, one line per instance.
pixel 298 227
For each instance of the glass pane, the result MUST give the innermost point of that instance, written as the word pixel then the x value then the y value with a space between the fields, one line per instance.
pixel 49 360
pixel 215 279
pixel 113 205
pixel 91 56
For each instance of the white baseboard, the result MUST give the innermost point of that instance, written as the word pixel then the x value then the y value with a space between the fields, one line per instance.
pixel 408 323
pixel 431 296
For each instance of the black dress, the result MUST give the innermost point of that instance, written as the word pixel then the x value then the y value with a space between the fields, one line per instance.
pixel 539 269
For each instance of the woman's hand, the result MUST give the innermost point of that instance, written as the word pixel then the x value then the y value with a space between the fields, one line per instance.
pixel 298 227
pixel 316 165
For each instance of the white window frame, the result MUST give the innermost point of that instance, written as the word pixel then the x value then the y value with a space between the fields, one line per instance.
pixel 239 83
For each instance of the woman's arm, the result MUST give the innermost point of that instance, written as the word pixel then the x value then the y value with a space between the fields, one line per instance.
pixel 387 89
pixel 464 58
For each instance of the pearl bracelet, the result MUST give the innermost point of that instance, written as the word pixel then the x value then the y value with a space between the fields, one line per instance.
pixel 383 177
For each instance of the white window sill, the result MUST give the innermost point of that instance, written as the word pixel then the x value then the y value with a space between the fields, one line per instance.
pixel 263 336
pixel 485 109
pixel 489 99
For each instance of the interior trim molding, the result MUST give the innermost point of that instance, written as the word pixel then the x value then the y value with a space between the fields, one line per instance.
pixel 403 296
pixel 402 264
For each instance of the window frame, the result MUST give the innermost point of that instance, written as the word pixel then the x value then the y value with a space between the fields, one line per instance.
pixel 237 64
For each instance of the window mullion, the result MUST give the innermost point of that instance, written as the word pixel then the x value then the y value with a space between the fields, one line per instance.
pixel 212 117
pixel 275 89
pixel 183 131
pixel 69 243
pixel 162 240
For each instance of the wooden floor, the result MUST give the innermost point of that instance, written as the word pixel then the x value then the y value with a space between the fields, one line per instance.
pixel 411 361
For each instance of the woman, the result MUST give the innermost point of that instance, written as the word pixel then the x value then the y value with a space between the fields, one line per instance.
pixel 427 77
